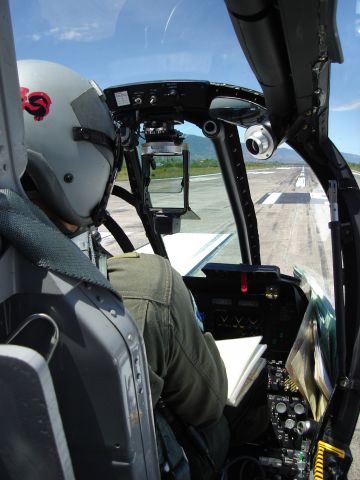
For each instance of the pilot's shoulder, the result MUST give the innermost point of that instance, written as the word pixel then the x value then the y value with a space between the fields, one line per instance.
pixel 138 260
pixel 140 275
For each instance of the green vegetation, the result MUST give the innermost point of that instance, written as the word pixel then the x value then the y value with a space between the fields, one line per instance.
pixel 123 174
pixel 173 168
pixel 167 167
pixel 262 165
pixel 204 167
pixel 355 166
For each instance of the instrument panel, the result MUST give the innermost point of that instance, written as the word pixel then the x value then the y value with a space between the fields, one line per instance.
pixel 243 300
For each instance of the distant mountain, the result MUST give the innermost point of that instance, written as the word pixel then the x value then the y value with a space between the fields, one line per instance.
pixel 201 147
pixel 282 155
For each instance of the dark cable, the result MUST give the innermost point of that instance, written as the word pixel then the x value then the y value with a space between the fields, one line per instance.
pixel 125 195
pixel 118 233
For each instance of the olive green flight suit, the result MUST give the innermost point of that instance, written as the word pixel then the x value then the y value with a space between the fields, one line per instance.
pixel 184 364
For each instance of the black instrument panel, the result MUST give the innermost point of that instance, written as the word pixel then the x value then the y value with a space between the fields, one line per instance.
pixel 246 300
pixel 174 99
pixel 242 300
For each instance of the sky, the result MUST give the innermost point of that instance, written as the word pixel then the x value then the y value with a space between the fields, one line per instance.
pixel 122 41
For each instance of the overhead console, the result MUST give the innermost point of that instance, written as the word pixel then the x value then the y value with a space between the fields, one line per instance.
pixel 247 300
pixel 179 100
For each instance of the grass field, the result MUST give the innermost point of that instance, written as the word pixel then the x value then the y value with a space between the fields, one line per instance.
pixel 202 167
pixel 355 167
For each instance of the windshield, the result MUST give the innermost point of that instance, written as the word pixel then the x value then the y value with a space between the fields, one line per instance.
pixel 344 115
pixel 119 41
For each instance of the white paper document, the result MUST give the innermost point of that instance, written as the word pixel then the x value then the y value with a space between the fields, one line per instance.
pixel 243 364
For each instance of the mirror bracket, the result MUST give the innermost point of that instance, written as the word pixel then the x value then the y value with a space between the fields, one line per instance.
pixel 167 224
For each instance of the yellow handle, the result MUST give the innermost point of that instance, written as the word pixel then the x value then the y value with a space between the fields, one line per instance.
pixel 319 458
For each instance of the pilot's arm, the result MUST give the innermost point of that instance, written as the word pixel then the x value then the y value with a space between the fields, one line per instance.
pixel 185 365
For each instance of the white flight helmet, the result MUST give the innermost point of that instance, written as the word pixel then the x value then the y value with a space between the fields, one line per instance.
pixel 70 140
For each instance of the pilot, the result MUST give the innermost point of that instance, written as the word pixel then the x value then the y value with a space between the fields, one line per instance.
pixel 72 163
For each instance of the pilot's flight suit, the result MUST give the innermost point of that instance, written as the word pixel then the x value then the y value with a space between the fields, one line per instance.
pixel 185 365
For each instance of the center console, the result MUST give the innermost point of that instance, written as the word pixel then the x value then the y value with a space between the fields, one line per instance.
pixel 241 301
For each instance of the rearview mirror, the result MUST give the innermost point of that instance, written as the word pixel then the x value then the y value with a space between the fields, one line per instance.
pixel 167 174
pixel 165 168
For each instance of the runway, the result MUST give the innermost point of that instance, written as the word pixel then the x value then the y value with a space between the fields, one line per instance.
pixel 292 214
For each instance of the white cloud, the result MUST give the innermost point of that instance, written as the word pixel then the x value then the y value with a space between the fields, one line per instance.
pixel 354 105
pixel 79 20
pixel 85 32
pixel 73 34
pixel 36 37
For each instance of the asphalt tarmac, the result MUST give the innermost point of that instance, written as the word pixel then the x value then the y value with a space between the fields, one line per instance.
pixel 292 213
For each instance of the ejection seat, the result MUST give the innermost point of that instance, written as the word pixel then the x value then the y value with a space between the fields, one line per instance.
pixel 55 301
pixel 97 363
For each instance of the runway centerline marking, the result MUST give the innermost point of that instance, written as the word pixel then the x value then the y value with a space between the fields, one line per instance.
pixel 300 182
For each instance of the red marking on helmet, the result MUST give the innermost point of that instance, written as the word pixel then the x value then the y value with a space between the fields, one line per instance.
pixel 35 103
